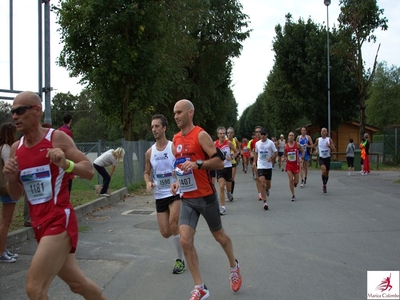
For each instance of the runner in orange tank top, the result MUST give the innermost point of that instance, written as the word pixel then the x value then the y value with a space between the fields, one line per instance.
pixel 195 155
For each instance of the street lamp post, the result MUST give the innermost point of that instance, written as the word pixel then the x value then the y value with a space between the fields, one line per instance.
pixel 327 3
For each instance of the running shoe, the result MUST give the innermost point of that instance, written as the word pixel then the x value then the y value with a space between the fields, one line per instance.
pixel 293 198
pixel 222 211
pixel 283 170
pixel 324 188
pixel 104 195
pixel 267 193
pixel 10 254
pixel 265 206
pixel 302 183
pixel 236 278
pixel 230 197
pixel 6 259
pixel 259 198
pixel 179 267
pixel 305 181
pixel 200 294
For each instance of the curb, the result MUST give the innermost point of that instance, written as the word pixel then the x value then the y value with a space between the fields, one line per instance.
pixel 23 234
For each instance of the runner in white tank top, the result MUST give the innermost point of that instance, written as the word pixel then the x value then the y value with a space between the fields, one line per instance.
pixel 160 161
pixel 325 147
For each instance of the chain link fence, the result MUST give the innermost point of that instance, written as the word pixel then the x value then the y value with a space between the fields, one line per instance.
pixel 134 158
pixel 388 144
pixel 391 142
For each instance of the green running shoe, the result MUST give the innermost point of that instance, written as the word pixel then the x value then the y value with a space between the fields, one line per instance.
pixel 179 267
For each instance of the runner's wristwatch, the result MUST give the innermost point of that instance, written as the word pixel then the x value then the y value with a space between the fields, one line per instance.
pixel 199 163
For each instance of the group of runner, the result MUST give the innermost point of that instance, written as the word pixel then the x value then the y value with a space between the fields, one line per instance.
pixel 292 155
pixel 177 170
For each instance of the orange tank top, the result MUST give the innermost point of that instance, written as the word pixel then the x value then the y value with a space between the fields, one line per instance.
pixel 196 183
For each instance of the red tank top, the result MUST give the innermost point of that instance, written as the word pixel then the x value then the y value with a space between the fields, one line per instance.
pixel 45 184
pixel 292 154
pixel 188 147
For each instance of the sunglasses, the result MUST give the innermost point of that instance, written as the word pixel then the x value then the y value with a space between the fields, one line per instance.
pixel 22 109
pixel 263 133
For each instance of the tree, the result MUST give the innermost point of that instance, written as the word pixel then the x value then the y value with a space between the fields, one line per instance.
pixel 383 104
pixel 122 50
pixel 218 37
pixel 358 21
pixel 5 112
pixel 141 56
pixel 297 85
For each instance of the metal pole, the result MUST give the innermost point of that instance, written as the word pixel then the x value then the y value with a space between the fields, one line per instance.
pixel 329 67
pixel 11 46
pixel 40 50
pixel 47 89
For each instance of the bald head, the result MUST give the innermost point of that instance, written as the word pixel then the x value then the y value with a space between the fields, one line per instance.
pixel 185 104
pixel 28 98
pixel 183 114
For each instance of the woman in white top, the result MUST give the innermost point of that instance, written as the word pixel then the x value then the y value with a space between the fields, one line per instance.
pixel 8 135
pixel 108 158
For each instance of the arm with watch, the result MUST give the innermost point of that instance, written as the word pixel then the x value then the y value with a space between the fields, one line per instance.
pixel 216 157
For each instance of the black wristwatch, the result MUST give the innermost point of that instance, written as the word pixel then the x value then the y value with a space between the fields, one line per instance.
pixel 199 163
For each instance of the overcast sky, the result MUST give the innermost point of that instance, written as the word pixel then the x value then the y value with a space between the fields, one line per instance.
pixel 250 69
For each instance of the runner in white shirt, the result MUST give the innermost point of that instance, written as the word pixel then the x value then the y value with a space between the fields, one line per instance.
pixel 324 146
pixel 158 174
pixel 265 154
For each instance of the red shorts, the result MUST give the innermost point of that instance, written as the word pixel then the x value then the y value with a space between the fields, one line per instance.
pixel 294 167
pixel 64 220
pixel 246 154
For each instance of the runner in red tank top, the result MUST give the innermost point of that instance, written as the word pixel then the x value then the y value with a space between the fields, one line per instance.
pixel 38 167
pixel 293 160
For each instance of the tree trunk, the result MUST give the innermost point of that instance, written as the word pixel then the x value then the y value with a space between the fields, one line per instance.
pixel 126 116
pixel 362 114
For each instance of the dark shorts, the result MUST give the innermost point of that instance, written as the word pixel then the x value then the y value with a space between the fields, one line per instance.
pixel 162 204
pixel 7 200
pixel 350 162
pixel 64 221
pixel 213 173
pixel 207 206
pixel 234 165
pixel 325 162
pixel 267 173
pixel 280 154
pixel 225 173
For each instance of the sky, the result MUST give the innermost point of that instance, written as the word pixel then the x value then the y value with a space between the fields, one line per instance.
pixel 250 69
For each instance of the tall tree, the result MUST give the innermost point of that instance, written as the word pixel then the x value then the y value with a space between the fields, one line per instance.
pixel 383 104
pixel 298 81
pixel 122 50
pixel 358 21
pixel 218 36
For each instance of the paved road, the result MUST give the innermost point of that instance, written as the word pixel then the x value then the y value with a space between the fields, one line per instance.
pixel 319 247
